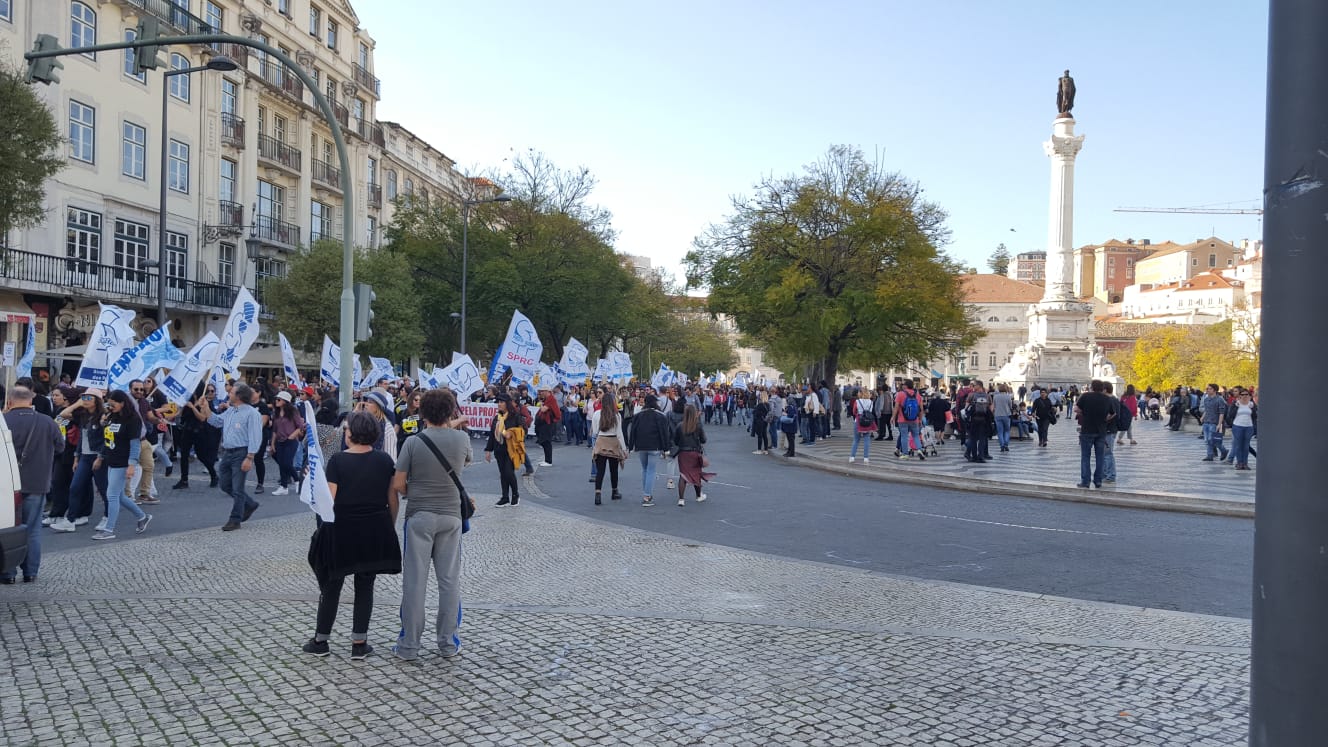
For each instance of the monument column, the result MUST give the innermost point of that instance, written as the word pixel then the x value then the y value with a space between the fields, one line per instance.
pixel 1062 148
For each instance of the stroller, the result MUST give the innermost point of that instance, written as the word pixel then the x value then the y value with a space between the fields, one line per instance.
pixel 928 439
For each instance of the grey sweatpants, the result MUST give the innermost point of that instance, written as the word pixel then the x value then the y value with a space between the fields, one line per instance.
pixel 430 539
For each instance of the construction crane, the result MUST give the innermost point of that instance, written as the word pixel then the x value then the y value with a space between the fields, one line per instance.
pixel 1198 210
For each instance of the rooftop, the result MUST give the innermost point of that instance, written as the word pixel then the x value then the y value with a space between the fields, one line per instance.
pixel 987 288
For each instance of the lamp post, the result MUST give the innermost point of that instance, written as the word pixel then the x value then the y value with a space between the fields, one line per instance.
pixel 465 254
pixel 220 63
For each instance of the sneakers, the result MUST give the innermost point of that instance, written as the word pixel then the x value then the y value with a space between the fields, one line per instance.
pixel 181 485
pixel 48 520
pixel 258 490
pixel 865 460
pixel 647 502
pixel 616 496
pixel 101 525
pixel 149 501
pixel 598 502
pixel 102 534
pixel 318 648
pixel 401 654
pixel 249 511
pixel 280 490
pixel 142 524
pixel 851 460
pixel 451 651
pixel 701 498
pixel 80 521
pixel 670 485
pixel 546 464
pixel 682 502
pixel 360 651
pixel 231 526
pixel 503 502
pixel 758 452
pixel 62 525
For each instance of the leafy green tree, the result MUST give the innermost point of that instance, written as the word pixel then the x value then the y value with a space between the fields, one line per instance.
pixel 691 344
pixel 838 265
pixel 999 261
pixel 28 153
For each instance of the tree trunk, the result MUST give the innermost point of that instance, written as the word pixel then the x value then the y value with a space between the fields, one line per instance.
pixel 831 367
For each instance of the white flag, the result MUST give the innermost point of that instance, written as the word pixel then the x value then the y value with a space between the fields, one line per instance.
pixel 603 370
pixel 29 350
pixel 662 378
pixel 462 376
pixel 620 364
pixel 314 491
pixel 241 331
pixel 111 337
pixel 740 381
pixel 545 378
pixel 180 384
pixel 330 368
pixel 357 372
pixel 288 360
pixel 379 369
pixel 154 352
pixel 520 351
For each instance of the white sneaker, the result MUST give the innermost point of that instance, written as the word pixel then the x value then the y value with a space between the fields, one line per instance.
pixel 101 525
pixel 701 498
pixel 48 520
pixel 670 485
pixel 758 451
pixel 850 460
pixel 865 460
pixel 80 521
pixel 546 464
pixel 62 525
pixel 280 491
pixel 682 502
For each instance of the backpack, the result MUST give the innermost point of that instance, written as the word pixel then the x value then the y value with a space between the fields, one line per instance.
pixel 979 406
pixel 912 408
pixel 787 420
pixel 866 414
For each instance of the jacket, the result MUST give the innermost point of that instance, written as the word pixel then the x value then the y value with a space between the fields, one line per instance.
pixel 651 431
pixel 694 441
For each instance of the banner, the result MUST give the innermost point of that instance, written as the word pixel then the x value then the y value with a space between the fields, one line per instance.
pixel 545 378
pixel 620 365
pixel 241 331
pixel 180 384
pixel 379 369
pixel 288 361
pixel 330 367
pixel 480 415
pixel 154 352
pixel 314 491
pixel 357 372
pixel 520 351
pixel 111 337
pixel 664 377
pixel 740 381
pixel 427 381
pixel 572 369
pixel 462 376
pixel 603 372
pixel 24 367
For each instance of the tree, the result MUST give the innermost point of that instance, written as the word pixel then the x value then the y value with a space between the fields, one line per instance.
pixel 28 154
pixel 838 265
pixel 999 261
pixel 694 344
pixel 307 302
pixel 1193 355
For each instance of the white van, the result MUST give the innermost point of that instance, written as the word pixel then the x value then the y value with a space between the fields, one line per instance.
pixel 13 536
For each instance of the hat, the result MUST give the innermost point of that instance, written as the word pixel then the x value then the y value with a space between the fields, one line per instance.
pixel 96 392
pixel 309 391
pixel 380 399
pixel 284 396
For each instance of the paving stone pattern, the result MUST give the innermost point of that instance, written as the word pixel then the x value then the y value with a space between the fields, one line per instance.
pixel 1162 463
pixel 580 633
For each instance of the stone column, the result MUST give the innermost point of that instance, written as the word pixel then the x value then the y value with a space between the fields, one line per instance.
pixel 1062 148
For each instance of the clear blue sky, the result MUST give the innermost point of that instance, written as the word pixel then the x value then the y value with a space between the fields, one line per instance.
pixel 676 107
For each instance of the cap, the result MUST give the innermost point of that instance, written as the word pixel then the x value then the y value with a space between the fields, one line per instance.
pixel 309 391
pixel 380 399
pixel 284 396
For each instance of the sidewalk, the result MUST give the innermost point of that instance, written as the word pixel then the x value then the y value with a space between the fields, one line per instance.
pixel 1163 471
pixel 579 632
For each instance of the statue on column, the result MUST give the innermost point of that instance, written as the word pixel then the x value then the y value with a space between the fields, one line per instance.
pixel 1065 95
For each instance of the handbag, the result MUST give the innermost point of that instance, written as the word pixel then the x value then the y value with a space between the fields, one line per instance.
pixel 467 505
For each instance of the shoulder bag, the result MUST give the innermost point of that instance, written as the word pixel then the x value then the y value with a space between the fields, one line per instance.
pixel 467 505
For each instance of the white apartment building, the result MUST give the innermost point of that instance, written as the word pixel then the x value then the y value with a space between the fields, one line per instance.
pixel 252 171
pixel 1205 298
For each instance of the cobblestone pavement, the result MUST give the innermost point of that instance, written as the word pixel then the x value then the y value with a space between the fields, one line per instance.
pixel 578 632
pixel 1163 464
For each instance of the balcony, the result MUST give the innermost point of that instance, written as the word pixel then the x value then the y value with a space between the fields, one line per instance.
pixel 342 115
pixel 74 276
pixel 274 151
pixel 326 173
pixel 230 215
pixel 237 52
pixel 171 13
pixel 276 232
pixel 232 130
pixel 274 73
pixel 376 136
pixel 375 196
pixel 367 80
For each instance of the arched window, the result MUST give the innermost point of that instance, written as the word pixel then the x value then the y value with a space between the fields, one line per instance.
pixel 993 318
pixel 1012 319
pixel 410 187
pixel 180 83
pixel 82 27
pixel 391 184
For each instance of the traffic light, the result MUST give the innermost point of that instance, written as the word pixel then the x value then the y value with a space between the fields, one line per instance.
pixel 43 70
pixel 364 298
pixel 145 58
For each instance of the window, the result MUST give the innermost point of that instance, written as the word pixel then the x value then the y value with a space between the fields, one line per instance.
pixel 227 191
pixel 180 83
pixel 315 21
pixel 373 233
pixel 82 132
pixel 331 34
pixel 1212 260
pixel 82 28
pixel 130 250
pixel 993 318
pixel 133 150
pixel 82 240
pixel 226 263
pixel 373 170
pixel 1129 262
pixel 283 7
pixel 177 170
pixel 320 221
pixel 130 64
pixel 262 120
pixel 279 128
pixel 410 187
pixel 316 75
pixel 214 16
pixel 328 150
pixel 229 96
pixel 1014 319
pixel 271 200
pixel 177 256
pixel 364 55
pixel 391 184
pixel 1111 263
pixel 1194 262
pixel 973 360
pixel 6 11
pixel 331 89
pixel 991 360
pixel 357 110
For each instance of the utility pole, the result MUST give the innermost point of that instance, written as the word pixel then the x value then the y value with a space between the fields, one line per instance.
pixel 1289 666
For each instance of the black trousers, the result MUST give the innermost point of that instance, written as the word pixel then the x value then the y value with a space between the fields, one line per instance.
pixel 202 446
pixel 762 438
pixel 548 451
pixel 1043 425
pixel 330 596
pixel 601 462
pixel 507 474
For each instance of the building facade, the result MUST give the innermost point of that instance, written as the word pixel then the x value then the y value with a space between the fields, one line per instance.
pixel 1180 263
pixel 1103 271
pixel 1030 267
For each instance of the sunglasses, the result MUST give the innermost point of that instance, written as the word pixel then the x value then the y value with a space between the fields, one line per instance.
pixel 136 391
pixel 88 398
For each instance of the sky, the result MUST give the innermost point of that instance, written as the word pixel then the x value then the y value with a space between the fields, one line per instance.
pixel 677 108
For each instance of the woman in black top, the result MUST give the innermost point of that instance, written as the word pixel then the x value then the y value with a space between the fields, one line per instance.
pixel 363 539
pixel 761 424
pixel 1045 414
pixel 689 439
pixel 122 432
pixel 193 433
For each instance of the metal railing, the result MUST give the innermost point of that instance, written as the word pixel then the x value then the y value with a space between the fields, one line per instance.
pixel 367 80
pixel 62 274
pixel 343 115
pixel 376 136
pixel 237 52
pixel 276 231
pixel 274 73
pixel 327 174
pixel 230 214
pixel 232 130
pixel 375 195
pixel 280 153
pixel 173 14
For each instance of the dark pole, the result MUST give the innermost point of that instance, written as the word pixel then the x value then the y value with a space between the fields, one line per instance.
pixel 465 256
pixel 161 217
pixel 1289 666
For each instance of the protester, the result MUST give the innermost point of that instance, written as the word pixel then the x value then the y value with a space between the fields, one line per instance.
pixel 122 433
pixel 689 440
pixel 141 481
pixel 362 542
pixel 1113 423
pixel 1129 413
pixel 652 437
pixel 241 441
pixel 62 469
pixel 85 415
pixel 378 404
pixel 37 440
pixel 287 433
pixel 432 532
pixel 546 423
pixel 761 424
pixel 192 433
pixel 610 449
pixel 1214 410
pixel 507 445
pixel 979 423
pixel 408 418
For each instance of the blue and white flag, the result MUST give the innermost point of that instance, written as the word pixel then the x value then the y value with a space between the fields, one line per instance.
pixel 330 367
pixel 664 377
pixel 154 352
pixel 620 364
pixel 111 337
pixel 572 369
pixel 379 369
pixel 545 377
pixel 427 381
pixel 357 373
pixel 603 370
pixel 740 381
pixel 462 376
pixel 240 333
pixel 288 361
pixel 314 491
pixel 200 360
pixel 24 367
pixel 520 351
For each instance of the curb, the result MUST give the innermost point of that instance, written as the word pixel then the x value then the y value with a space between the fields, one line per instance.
pixel 1123 499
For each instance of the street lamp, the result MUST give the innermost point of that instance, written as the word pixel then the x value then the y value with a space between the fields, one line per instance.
pixel 221 63
pixel 465 254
